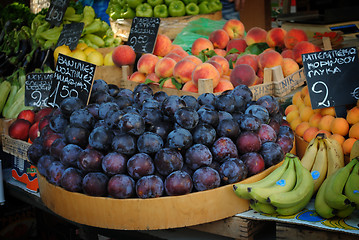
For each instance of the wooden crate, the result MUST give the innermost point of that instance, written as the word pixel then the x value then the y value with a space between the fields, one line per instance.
pixel 297 232
pixel 204 86
pixel 110 74
pixel 122 27
pixel 284 86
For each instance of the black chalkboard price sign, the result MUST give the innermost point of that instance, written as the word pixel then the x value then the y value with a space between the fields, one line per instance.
pixel 37 89
pixel 332 77
pixel 70 35
pixel 143 34
pixel 72 78
pixel 56 12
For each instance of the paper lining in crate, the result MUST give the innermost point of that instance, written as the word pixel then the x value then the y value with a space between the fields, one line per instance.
pixel 110 74
pixel 283 86
pixel 204 86
pixel 170 26
pixel 147 214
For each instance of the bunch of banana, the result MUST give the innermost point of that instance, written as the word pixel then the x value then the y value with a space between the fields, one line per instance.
pixel 285 191
pixel 339 193
pixel 323 157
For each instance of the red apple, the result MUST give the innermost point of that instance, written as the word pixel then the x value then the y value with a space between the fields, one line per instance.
pixel 19 129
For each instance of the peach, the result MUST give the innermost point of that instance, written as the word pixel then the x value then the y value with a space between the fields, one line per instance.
pixel 123 55
pixel 237 43
pixel 348 145
pixel 294 123
pixel 183 69
pixel 304 92
pixel 164 67
pixel 179 50
pixel 223 85
pixel 163 45
pixel 275 37
pixel 232 57
pixel 325 122
pixel 297 98
pixel 201 44
pixel 354 131
pixel 174 46
pixel 339 126
pixel 146 63
pixel 138 77
pixel 234 28
pixel 328 111
pixel 337 137
pixel 174 56
pixel 256 35
pixel 314 119
pixel 260 73
pixel 290 108
pixel 305 113
pixel 224 63
pixel 287 53
pixel 205 71
pixel 153 77
pixel 269 59
pixel 217 65
pixel 194 59
pixel 248 59
pixel 219 38
pixel 243 74
pixel 168 84
pixel 190 87
pixel 289 66
pixel 302 48
pixel 258 80
pixel 301 128
pixel 353 115
pixel 220 52
pixel 310 133
pixel 292 115
pixel 293 37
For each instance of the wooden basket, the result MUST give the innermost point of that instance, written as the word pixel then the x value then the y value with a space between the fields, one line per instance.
pixel 170 26
pixel 146 214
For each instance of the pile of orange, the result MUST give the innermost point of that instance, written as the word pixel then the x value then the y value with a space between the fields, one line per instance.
pixel 307 122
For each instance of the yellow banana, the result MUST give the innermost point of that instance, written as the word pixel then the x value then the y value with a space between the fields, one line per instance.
pixel 355 150
pixel 304 187
pixel 334 196
pixel 284 184
pixel 320 166
pixel 310 153
pixel 320 205
pixel 351 189
pixel 335 155
pixel 241 189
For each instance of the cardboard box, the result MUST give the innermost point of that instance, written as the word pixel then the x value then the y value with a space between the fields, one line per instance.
pixel 146 214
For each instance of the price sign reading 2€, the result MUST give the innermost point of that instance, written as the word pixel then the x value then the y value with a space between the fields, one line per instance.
pixel 72 78
pixel 37 89
pixel 143 34
pixel 332 77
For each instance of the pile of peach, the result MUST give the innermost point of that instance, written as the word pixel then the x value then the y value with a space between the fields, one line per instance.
pixel 307 122
pixel 225 66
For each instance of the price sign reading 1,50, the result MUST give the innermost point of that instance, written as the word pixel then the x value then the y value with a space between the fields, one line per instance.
pixel 56 11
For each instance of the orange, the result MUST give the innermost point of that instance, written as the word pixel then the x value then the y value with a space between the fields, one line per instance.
pixel 339 126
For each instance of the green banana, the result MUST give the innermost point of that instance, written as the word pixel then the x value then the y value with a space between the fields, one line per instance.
pixel 345 212
pixel 241 189
pixel 351 189
pixel 284 184
pixel 321 207
pixel 265 208
pixel 304 186
pixel 295 208
pixel 334 191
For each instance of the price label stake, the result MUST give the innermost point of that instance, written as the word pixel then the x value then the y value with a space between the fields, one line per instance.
pixel 37 89
pixel 332 78
pixel 143 34
pixel 72 78
pixel 70 35
pixel 56 12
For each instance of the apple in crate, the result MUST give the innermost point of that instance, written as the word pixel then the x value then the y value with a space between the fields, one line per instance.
pixel 19 129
